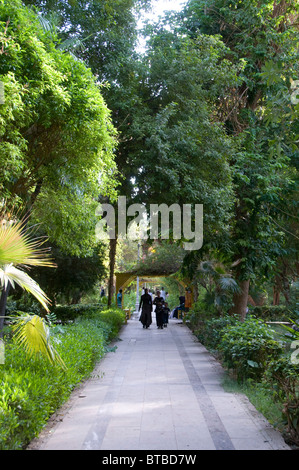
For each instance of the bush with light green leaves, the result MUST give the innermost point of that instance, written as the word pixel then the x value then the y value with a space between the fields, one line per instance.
pixel 247 347
pixel 32 388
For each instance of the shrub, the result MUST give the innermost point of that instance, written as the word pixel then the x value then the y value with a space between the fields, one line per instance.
pixel 274 312
pixel 247 347
pixel 67 313
pixel 31 389
pixel 210 332
pixel 200 312
pixel 283 376
pixel 114 317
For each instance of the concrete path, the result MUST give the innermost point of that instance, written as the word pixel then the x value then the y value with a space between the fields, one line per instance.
pixel 160 390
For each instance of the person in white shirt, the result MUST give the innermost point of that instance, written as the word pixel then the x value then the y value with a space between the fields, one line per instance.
pixel 163 293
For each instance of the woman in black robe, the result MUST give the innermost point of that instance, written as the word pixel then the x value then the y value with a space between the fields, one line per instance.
pixel 147 305
pixel 159 302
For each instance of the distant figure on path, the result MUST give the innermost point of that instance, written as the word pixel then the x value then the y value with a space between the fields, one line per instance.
pixel 119 298
pixel 166 311
pixel 159 303
pixel 146 303
pixel 175 313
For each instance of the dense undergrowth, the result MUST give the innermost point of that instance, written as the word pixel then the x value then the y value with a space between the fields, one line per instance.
pixel 260 361
pixel 31 389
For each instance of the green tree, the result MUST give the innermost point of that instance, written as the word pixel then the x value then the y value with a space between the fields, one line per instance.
pixel 108 33
pixel 256 33
pixel 72 276
pixel 57 139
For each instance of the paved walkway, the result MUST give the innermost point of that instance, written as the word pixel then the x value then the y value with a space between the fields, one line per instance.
pixel 160 390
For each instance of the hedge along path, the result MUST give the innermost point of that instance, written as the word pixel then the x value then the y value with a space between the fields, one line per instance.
pixel 159 390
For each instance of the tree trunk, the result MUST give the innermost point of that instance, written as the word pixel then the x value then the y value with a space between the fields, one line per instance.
pixel 276 295
pixel 241 299
pixel 195 292
pixel 112 255
pixel 3 301
pixel 286 285
pixel 277 287
pixel 281 285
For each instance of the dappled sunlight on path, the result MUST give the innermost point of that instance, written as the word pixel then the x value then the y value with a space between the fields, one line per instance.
pixel 160 389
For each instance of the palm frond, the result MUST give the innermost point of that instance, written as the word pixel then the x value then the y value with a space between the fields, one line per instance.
pixel 228 284
pixel 74 43
pixel 11 274
pixel 49 23
pixel 207 267
pixel 32 334
pixel 17 247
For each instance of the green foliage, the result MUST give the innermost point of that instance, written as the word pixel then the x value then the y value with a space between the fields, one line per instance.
pixel 73 276
pixel 111 318
pixel 108 34
pixel 56 132
pixel 266 369
pixel 283 377
pixel 23 304
pixel 160 258
pixel 218 284
pixel 18 251
pixel 69 313
pixel 199 313
pixel 210 331
pixel 114 318
pixel 184 150
pixel 262 121
pixel 248 347
pixel 264 359
pixel 273 312
pixel 32 389
pixel 32 334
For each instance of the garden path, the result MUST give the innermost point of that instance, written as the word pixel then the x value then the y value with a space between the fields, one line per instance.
pixel 160 390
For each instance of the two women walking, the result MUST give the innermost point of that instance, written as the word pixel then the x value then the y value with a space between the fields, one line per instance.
pixel 146 304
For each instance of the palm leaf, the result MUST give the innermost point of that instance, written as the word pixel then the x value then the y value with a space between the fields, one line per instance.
pixel 32 333
pixel 228 284
pixel 12 275
pixel 207 267
pixel 16 246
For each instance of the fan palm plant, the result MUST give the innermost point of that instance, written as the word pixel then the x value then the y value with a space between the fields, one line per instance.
pixel 33 334
pixel 219 284
pixel 18 251
pixel 18 248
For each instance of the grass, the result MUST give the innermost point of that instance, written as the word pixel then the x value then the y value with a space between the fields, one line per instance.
pixel 260 396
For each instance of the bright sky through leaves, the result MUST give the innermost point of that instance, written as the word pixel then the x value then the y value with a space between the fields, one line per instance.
pixel 158 9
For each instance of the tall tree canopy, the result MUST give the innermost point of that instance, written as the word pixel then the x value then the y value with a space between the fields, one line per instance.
pixel 264 35
pixel 57 138
pixel 206 115
pixel 106 33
